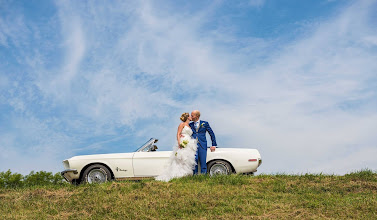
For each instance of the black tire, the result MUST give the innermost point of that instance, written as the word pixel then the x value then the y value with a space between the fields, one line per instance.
pixel 96 173
pixel 219 167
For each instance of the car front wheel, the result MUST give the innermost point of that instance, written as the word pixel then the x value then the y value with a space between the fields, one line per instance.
pixel 96 174
pixel 219 167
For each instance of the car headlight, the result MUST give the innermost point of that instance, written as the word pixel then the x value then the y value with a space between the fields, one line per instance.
pixel 66 164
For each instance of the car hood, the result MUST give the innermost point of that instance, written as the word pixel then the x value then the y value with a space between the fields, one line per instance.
pixel 102 156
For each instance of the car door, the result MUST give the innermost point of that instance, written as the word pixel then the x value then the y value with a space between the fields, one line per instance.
pixel 150 163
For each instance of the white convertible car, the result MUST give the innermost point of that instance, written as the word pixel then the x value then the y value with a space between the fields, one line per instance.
pixel 147 162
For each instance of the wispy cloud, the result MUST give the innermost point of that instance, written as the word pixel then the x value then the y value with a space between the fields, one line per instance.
pixel 73 47
pixel 257 3
pixel 311 99
pixel 12 29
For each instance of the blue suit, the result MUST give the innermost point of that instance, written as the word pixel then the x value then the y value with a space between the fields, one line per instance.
pixel 201 153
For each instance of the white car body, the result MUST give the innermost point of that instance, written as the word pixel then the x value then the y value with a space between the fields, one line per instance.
pixel 148 163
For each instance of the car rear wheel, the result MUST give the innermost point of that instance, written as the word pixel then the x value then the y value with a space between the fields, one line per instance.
pixel 96 174
pixel 219 167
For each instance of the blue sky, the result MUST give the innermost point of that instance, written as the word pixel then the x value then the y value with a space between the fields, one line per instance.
pixel 295 79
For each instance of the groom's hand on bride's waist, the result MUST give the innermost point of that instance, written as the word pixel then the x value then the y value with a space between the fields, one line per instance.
pixel 213 148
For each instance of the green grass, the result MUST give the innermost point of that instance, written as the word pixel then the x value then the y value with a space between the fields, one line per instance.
pixel 279 196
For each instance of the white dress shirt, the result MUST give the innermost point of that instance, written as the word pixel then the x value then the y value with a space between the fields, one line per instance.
pixel 196 124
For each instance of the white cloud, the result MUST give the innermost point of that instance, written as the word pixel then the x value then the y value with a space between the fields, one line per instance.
pixel 32 144
pixel 363 158
pixel 257 3
pixel 370 40
pixel 12 28
pixel 297 117
pixel 74 46
pixel 4 82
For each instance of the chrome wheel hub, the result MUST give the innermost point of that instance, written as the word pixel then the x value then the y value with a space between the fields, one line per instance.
pixel 97 176
pixel 218 169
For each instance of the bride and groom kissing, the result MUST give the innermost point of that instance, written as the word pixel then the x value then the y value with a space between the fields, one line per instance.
pixel 191 148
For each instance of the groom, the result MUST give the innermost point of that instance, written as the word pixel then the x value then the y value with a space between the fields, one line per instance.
pixel 199 129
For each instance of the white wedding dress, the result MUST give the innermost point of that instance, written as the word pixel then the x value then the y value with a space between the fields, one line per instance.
pixel 182 160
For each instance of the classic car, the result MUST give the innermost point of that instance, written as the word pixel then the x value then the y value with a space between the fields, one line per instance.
pixel 146 161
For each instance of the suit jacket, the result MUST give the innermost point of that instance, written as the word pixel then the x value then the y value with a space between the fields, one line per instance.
pixel 200 133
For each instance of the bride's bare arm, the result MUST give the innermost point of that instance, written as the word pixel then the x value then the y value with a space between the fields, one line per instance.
pixel 180 127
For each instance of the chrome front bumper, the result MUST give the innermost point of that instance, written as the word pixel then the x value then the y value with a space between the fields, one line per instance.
pixel 67 174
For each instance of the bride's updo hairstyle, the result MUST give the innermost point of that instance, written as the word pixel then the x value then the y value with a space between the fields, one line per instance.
pixel 184 116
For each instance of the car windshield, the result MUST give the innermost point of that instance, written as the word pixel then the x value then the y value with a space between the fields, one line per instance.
pixel 145 146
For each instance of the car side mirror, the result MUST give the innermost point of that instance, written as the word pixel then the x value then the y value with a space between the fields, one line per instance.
pixel 154 148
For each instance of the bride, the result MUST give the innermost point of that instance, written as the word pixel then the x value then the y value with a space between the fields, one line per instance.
pixel 182 160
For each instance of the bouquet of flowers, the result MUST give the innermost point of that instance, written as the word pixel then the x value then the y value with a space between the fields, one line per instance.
pixel 183 144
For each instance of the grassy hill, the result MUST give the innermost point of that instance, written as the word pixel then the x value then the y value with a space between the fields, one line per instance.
pixel 223 197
